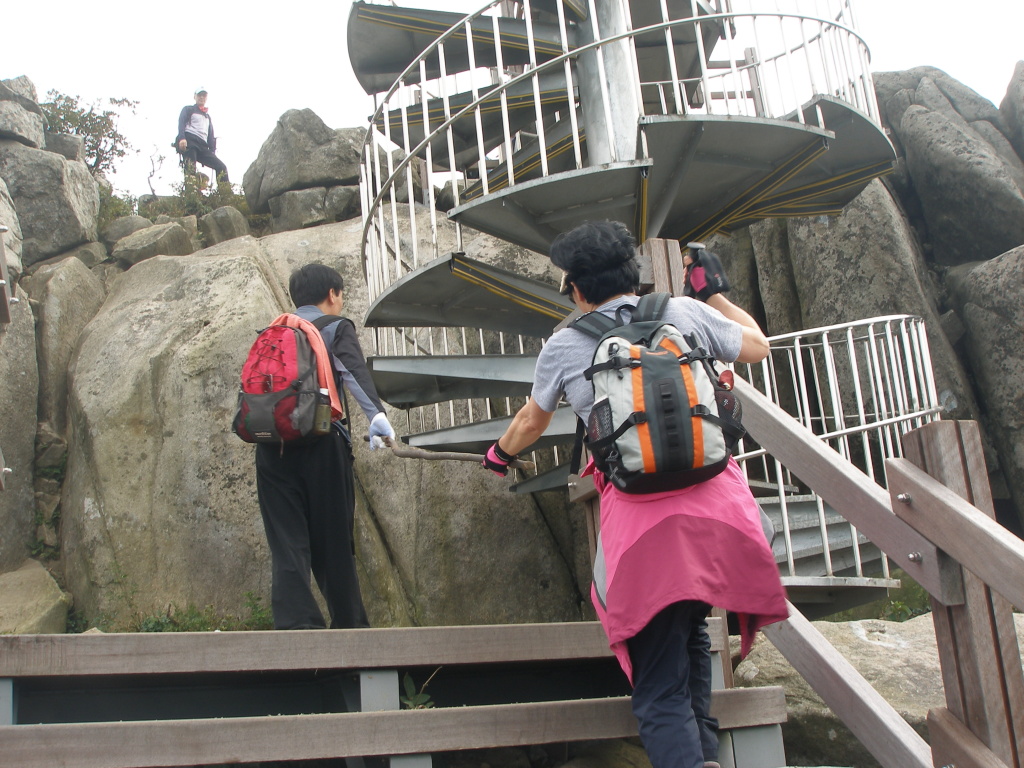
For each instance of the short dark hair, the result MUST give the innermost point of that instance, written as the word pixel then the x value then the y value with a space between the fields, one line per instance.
pixel 312 284
pixel 600 258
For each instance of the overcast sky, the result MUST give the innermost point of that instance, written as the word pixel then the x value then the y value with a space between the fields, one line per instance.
pixel 258 61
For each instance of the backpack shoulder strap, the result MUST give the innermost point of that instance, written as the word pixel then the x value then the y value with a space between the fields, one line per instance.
pixel 651 307
pixel 594 324
pixel 324 320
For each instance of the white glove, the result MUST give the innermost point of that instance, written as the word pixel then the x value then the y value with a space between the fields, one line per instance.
pixel 380 428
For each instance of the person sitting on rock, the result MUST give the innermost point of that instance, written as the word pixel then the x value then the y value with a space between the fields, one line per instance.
pixel 196 141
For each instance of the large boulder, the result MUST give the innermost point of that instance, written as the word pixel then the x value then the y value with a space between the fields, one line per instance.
pixel 122 227
pixel 159 505
pixel 12 237
pixel 900 660
pixel 70 146
pixel 866 263
pixel 20 375
pixel 1011 109
pixel 22 87
pixel 168 239
pixel 972 205
pixel 224 223
pixel 987 297
pixel 301 152
pixel 57 199
pixel 65 297
pixel 19 124
pixel 31 603
pixel 303 208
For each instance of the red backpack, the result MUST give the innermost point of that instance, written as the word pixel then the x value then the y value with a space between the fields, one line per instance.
pixel 281 399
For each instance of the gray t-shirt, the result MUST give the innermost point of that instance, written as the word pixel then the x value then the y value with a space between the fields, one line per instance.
pixel 569 352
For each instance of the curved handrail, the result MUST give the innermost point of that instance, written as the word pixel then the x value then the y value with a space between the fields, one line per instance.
pixel 550 65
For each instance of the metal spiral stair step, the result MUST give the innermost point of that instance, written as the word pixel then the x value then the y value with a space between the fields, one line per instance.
pixel 750 168
pixel 533 213
pixel 476 437
pixel 384 40
pixel 520 110
pixel 410 381
pixel 457 291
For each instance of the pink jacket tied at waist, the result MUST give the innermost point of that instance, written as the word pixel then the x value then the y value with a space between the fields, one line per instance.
pixel 702 543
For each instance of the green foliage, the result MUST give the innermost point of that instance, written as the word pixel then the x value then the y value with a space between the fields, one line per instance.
pixel 114 206
pixel 207 619
pixel 192 618
pixel 193 198
pixel 40 550
pixel 414 699
pixel 104 144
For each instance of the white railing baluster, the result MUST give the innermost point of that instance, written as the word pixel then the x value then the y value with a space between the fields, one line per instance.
pixel 538 112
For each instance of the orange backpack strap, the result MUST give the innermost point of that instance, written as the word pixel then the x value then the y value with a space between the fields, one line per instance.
pixel 324 368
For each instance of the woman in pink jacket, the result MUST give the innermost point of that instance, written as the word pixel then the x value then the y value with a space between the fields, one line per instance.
pixel 663 558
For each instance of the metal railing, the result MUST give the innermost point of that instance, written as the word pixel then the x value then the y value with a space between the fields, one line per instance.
pixel 439 129
pixel 859 387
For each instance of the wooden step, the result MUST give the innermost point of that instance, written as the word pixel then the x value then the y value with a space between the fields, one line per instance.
pixel 307 737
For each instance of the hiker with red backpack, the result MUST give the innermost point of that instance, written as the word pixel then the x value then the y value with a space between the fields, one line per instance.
pixel 680 530
pixel 289 407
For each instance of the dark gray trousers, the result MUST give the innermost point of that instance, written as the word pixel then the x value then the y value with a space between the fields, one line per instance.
pixel 307 500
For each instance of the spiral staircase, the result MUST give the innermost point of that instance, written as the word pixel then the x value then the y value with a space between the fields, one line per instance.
pixel 682 118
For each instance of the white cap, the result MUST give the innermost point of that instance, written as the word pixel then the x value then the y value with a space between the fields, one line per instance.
pixel 199 90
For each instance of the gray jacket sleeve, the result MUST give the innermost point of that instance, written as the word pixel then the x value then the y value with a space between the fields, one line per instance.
pixel 351 367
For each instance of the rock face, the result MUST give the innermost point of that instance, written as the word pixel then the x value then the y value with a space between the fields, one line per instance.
pixel 225 223
pixel 961 176
pixel 301 152
pixel 31 603
pixel 1011 109
pixel 176 520
pixel 65 297
pixel 900 660
pixel 169 239
pixel 56 199
pixel 179 520
pixel 303 208
pixel 122 227
pixel 987 298
pixel 12 237
pixel 19 372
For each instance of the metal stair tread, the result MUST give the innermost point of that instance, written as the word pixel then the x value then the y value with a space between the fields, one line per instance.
pixel 533 213
pixel 411 380
pixel 456 291
pixel 384 40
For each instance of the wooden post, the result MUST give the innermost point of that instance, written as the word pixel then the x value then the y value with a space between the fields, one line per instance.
pixel 977 641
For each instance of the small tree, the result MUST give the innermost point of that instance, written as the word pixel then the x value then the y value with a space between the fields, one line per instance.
pixel 104 144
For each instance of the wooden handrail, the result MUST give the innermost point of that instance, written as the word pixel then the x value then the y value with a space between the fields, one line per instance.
pixel 959 528
pixel 981 667
pixel 875 723
pixel 857 497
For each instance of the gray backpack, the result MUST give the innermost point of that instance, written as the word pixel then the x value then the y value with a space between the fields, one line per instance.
pixel 663 417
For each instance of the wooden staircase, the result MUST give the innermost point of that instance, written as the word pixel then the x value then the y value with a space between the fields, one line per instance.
pixel 184 699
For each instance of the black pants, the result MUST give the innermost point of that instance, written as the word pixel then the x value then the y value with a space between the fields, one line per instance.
pixel 671 659
pixel 307 499
pixel 199 152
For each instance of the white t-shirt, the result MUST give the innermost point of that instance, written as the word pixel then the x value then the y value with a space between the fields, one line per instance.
pixel 569 352
pixel 199 125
